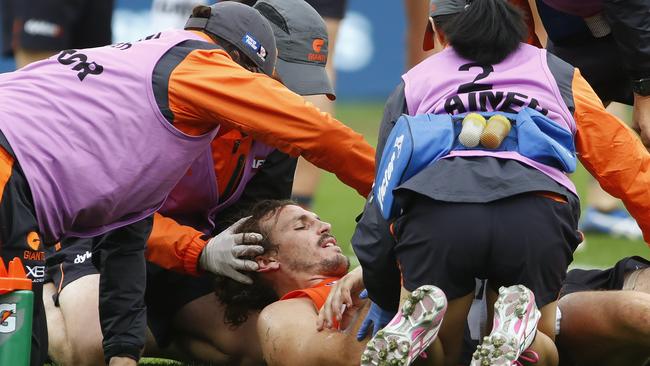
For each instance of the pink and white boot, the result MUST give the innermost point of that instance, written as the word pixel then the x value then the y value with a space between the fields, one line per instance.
pixel 410 332
pixel 513 331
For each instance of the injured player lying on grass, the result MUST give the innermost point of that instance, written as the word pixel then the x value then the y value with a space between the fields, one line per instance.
pixel 303 272
pixel 302 263
pixel 299 275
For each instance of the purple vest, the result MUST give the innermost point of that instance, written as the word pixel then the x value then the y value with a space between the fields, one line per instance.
pixel 447 83
pixel 94 146
pixel 195 199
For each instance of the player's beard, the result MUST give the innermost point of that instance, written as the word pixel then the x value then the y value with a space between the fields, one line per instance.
pixel 336 266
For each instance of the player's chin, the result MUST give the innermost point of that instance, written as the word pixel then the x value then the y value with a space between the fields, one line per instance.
pixel 344 264
pixel 336 265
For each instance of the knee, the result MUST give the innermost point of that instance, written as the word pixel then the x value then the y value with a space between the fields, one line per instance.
pixel 87 352
pixel 633 317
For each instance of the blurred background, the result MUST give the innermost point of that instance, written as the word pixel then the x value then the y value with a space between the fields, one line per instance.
pixel 370 49
pixel 369 60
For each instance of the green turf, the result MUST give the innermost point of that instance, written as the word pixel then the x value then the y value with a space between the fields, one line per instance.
pixel 339 204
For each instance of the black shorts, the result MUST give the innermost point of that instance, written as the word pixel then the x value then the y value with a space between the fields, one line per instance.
pixel 524 239
pixel 55 24
pixel 600 63
pixel 167 292
pixel 578 280
pixel 19 237
pixel 329 8
pixel 69 263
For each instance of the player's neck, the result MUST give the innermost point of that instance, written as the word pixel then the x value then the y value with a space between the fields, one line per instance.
pixel 284 283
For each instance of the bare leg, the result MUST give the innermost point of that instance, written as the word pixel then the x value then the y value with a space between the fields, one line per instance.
pixel 417 17
pixel 606 327
pixel 544 343
pixel 59 348
pixel 453 328
pixel 79 303
pixel 308 175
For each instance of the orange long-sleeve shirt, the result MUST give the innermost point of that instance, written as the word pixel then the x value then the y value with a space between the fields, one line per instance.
pixel 207 88
pixel 612 153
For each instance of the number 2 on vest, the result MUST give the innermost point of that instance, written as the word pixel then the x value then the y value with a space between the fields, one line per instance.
pixel 473 86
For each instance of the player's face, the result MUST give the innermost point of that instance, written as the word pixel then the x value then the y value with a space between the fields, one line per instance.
pixel 305 243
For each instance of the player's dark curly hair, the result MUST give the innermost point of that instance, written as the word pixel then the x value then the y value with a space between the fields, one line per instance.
pixel 240 299
pixel 487 31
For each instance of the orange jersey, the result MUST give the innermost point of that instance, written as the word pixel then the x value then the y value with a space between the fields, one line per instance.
pixel 317 294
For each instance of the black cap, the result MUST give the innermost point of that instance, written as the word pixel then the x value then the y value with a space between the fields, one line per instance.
pixel 243 27
pixel 437 8
pixel 446 7
pixel 301 37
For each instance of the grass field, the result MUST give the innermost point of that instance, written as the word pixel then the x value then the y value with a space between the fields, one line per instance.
pixel 339 204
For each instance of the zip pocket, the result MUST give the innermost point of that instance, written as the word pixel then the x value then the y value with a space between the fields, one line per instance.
pixel 234 178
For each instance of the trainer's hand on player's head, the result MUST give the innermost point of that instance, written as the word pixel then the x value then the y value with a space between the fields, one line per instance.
pixel 342 301
pixel 226 253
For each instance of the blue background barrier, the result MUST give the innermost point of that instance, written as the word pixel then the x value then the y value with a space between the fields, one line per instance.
pixel 370 50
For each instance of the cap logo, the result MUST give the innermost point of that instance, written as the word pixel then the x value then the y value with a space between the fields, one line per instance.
pixel 433 7
pixel 253 44
pixel 317 44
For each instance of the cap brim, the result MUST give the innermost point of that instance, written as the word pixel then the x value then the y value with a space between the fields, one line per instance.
pixel 428 43
pixel 305 79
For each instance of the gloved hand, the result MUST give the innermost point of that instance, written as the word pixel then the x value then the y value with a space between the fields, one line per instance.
pixel 376 316
pixel 222 255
